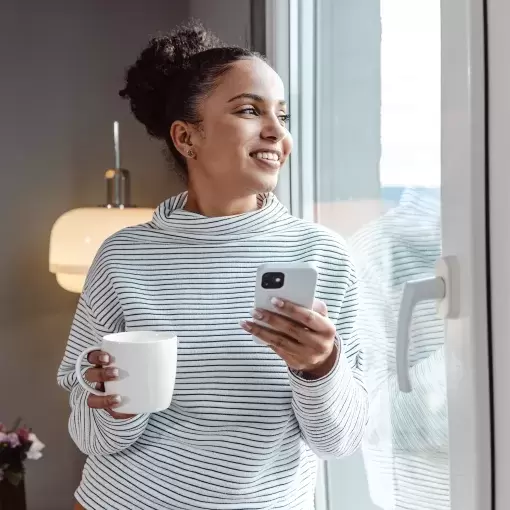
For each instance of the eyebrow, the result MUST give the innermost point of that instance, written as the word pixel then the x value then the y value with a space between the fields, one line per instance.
pixel 255 97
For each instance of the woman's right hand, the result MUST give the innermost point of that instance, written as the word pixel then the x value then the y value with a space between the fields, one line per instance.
pixel 99 374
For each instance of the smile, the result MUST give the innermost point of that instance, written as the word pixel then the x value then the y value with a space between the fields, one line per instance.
pixel 266 155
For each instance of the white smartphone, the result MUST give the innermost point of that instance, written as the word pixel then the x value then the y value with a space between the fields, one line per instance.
pixel 295 282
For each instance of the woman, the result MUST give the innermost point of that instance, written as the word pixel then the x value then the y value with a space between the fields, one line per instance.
pixel 247 422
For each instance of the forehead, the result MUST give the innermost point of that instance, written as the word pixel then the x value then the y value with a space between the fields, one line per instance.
pixel 251 76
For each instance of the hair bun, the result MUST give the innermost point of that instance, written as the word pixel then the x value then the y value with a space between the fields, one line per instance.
pixel 161 68
pixel 190 39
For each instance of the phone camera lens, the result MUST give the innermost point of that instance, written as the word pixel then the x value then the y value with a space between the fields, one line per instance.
pixel 273 280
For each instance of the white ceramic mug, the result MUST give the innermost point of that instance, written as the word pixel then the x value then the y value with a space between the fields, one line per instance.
pixel 147 363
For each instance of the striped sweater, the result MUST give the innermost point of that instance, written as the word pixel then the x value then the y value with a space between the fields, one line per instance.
pixel 406 445
pixel 242 431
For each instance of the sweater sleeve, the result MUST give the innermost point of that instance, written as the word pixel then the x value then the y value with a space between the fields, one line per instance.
pixel 95 431
pixel 416 421
pixel 332 411
pixel 400 246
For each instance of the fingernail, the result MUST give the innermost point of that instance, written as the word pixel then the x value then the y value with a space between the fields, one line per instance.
pixel 104 358
pixel 277 302
pixel 257 314
pixel 246 326
pixel 115 399
pixel 112 372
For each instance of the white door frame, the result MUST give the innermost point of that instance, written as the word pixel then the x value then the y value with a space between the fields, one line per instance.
pixel 296 189
pixel 499 209
pixel 464 236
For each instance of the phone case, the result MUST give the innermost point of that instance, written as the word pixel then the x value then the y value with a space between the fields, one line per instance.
pixel 300 281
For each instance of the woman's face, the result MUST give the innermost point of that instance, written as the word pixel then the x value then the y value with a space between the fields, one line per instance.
pixel 242 141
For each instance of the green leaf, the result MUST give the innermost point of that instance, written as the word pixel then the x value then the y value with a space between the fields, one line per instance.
pixel 14 477
pixel 17 423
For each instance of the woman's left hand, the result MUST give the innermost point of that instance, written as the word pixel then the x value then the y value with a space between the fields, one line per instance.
pixel 304 339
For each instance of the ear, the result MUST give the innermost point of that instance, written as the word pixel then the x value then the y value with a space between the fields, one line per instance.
pixel 180 135
pixel 184 136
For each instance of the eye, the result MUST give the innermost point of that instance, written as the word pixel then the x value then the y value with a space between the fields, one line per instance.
pixel 284 118
pixel 248 111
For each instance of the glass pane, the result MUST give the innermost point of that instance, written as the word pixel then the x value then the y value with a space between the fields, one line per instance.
pixel 378 120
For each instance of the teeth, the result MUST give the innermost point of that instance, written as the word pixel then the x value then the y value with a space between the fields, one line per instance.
pixel 267 155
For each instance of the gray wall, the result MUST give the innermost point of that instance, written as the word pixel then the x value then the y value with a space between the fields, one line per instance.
pixel 62 65
pixel 229 19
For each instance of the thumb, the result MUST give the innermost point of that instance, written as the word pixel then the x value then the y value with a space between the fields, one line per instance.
pixel 320 307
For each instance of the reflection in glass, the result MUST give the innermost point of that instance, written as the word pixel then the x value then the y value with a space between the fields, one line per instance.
pixel 378 172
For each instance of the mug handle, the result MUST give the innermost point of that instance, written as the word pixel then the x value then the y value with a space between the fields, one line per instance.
pixel 79 376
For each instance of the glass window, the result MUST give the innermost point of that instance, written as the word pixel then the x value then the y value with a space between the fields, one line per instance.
pixel 365 96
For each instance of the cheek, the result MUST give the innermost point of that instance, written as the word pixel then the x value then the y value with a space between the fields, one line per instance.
pixel 287 144
pixel 228 138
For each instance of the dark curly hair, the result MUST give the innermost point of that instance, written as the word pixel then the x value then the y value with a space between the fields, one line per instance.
pixel 172 74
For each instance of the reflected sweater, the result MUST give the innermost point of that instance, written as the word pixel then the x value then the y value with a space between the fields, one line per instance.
pixel 406 445
pixel 242 431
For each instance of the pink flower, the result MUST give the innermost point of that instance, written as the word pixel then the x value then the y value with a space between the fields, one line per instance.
pixel 3 437
pixel 13 439
pixel 23 435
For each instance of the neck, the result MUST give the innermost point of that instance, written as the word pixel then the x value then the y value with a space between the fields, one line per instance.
pixel 217 205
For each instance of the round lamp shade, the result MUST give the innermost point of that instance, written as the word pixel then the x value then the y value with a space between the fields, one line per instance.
pixel 78 234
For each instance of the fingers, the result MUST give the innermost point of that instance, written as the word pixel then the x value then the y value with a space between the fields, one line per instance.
pixel 282 324
pixel 99 358
pixel 320 307
pixel 100 375
pixel 103 402
pixel 297 356
pixel 120 416
pixel 315 320
pixel 108 403
pixel 303 338
pixel 272 337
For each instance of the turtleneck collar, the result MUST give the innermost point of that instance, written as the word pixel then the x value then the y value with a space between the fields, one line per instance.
pixel 424 201
pixel 270 216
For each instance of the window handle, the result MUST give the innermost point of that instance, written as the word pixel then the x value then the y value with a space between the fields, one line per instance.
pixel 444 288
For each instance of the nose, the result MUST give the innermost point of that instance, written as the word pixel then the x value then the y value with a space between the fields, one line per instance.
pixel 272 129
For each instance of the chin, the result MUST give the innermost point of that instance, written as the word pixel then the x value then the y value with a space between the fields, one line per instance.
pixel 265 185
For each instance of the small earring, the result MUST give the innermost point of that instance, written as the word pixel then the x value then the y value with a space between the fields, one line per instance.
pixel 191 153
